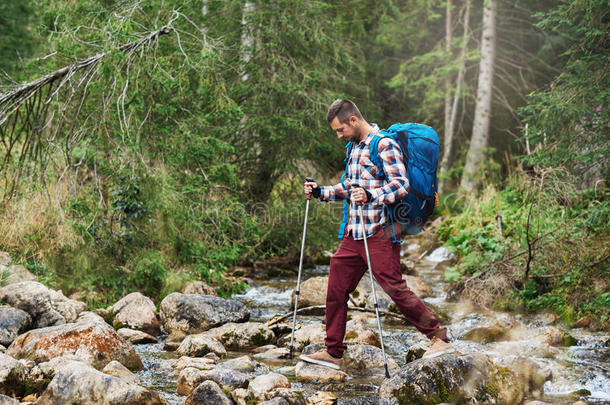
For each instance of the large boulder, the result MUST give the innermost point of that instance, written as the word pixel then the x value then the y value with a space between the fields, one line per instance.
pixel 46 307
pixel 15 274
pixel 116 369
pixel 89 338
pixel 208 393
pixel 362 358
pixel 136 311
pixel 194 313
pixel 267 382
pixel 312 292
pixel 6 400
pixel 453 378
pixel 12 376
pixel 13 322
pixel 306 335
pixel 77 383
pixel 242 336
pixel 200 345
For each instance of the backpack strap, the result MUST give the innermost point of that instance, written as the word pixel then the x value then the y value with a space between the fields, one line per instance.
pixel 349 147
pixel 376 159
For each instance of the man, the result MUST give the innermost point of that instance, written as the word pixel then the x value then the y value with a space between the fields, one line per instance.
pixel 348 264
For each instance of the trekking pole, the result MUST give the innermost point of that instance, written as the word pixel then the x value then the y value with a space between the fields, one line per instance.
pixel 296 294
pixel 368 260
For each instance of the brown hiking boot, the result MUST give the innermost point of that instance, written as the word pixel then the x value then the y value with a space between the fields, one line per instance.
pixel 438 347
pixel 322 358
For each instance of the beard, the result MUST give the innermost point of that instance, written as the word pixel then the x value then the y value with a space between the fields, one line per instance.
pixel 356 136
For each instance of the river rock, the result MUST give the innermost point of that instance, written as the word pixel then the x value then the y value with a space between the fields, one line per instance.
pixel 452 378
pixel 243 363
pixel 77 383
pixel 116 369
pixel 357 331
pixel 208 393
pixel 416 351
pixel 46 307
pixel 313 373
pixel 15 274
pixel 136 337
pixel 366 359
pixel 201 363
pixel 273 355
pixel 322 398
pixel 136 311
pixel 554 336
pixel 440 254
pixel 2 349
pixel 13 322
pixel 312 292
pixel 89 338
pixel 200 345
pixel 267 382
pixel 275 401
pixel 242 336
pixel 190 377
pixel 194 313
pixel 5 400
pixel 12 376
pixel 487 334
pixel 306 335
pixel 198 287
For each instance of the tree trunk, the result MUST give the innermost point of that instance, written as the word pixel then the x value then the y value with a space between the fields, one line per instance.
pixel 448 37
pixel 450 128
pixel 246 38
pixel 482 112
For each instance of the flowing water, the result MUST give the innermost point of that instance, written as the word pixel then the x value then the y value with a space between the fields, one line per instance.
pixel 583 368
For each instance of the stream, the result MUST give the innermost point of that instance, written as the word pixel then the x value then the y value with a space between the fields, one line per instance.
pixel 581 371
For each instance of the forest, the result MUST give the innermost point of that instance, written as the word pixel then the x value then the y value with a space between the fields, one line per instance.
pixel 150 144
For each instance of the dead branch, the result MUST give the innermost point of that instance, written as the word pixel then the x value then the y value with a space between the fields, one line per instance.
pixel 319 307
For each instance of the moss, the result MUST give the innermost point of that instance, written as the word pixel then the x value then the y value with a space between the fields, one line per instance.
pixel 351 335
pixel 260 338
pixel 116 324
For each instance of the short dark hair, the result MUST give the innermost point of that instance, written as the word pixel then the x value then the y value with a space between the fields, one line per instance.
pixel 342 108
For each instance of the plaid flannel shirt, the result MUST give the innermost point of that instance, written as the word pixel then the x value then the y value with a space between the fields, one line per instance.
pixel 362 171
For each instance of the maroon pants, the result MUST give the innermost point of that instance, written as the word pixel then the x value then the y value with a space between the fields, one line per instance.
pixel 348 265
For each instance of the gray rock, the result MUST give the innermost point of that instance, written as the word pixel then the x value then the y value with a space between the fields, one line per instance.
pixel 77 383
pixel 242 336
pixel 273 355
pixel 416 351
pixel 136 337
pixel 15 274
pixel 208 393
pixel 190 377
pixel 46 307
pixel 116 369
pixel 2 349
pixel 136 311
pixel 12 376
pixel 361 358
pixel 275 401
pixel 198 287
pixel 440 254
pixel 200 345
pixel 13 322
pixel 4 400
pixel 312 292
pixel 243 363
pixel 452 378
pixel 89 339
pixel 322 398
pixel 313 373
pixel 194 313
pixel 267 382
pixel 200 363
pixel 306 335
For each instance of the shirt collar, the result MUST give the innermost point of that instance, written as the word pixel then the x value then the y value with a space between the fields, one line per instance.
pixel 367 140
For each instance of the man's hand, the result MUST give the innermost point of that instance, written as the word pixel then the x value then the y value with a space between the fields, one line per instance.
pixel 359 195
pixel 308 189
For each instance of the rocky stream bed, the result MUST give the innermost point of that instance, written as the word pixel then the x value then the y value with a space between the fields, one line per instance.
pixel 200 349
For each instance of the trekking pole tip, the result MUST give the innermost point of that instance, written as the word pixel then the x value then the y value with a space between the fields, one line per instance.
pixel 290 355
pixel 387 373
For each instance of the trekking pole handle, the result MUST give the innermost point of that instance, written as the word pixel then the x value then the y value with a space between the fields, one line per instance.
pixel 309 180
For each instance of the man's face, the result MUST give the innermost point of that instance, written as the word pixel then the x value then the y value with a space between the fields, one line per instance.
pixel 350 131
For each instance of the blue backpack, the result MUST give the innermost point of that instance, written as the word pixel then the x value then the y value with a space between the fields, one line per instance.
pixel 420 147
